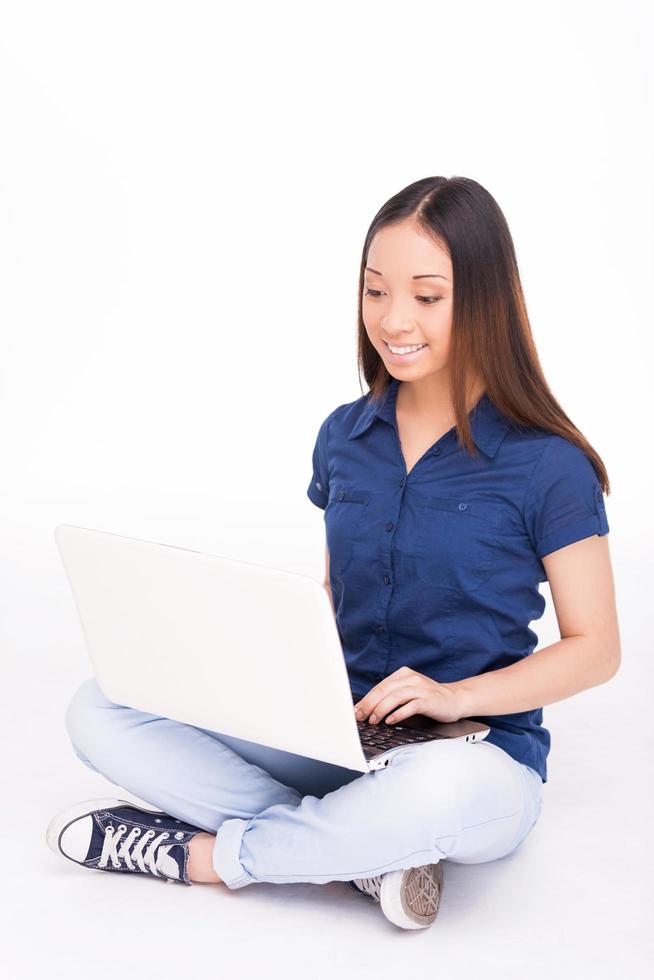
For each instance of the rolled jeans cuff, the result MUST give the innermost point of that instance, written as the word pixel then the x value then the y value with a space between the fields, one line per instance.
pixel 226 852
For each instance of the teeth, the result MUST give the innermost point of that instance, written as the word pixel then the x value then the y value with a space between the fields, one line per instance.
pixel 405 350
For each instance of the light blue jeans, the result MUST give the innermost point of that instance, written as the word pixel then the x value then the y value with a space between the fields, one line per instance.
pixel 282 818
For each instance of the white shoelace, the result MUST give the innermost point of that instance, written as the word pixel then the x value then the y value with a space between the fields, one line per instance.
pixel 156 855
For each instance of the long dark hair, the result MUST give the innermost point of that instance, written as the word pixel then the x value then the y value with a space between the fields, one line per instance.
pixel 491 334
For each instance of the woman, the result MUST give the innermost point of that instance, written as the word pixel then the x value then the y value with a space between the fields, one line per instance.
pixel 451 490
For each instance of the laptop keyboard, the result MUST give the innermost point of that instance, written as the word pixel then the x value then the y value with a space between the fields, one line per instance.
pixel 383 736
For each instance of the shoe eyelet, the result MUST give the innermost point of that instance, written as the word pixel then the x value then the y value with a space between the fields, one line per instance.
pixel 109 829
pixel 166 834
pixel 136 831
pixel 121 828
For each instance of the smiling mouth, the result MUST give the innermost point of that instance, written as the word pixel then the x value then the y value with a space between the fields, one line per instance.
pixel 405 348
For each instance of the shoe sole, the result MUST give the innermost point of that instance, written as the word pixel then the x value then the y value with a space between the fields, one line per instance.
pixel 410 898
pixel 62 820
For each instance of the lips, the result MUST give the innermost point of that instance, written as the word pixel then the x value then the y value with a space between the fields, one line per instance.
pixel 404 345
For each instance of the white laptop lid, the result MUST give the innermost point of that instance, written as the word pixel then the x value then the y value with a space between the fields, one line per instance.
pixel 223 644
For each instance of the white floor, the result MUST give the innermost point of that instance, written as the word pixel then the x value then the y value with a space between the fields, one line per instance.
pixel 575 899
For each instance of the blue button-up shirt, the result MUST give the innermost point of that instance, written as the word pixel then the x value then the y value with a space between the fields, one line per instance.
pixel 439 569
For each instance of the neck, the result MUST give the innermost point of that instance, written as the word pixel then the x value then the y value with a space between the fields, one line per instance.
pixel 430 396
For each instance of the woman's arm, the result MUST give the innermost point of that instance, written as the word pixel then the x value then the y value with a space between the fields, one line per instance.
pixel 588 653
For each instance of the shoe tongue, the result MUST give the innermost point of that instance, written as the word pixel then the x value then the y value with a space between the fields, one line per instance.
pixel 170 863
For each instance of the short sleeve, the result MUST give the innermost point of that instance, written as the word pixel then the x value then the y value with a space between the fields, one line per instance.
pixel 318 489
pixel 564 500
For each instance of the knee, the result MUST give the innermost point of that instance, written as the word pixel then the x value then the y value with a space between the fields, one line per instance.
pixel 470 778
pixel 83 714
pixel 430 775
pixel 444 758
pixel 446 776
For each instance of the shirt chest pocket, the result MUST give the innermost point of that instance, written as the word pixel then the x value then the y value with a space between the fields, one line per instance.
pixel 345 523
pixel 458 544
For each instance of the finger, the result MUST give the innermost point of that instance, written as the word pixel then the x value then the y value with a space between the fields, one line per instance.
pixel 397 678
pixel 367 703
pixel 393 684
pixel 399 695
pixel 363 707
pixel 398 698
pixel 405 711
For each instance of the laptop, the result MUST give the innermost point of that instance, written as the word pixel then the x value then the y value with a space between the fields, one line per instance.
pixel 235 647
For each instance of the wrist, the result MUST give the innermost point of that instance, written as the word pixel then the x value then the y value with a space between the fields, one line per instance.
pixel 464 698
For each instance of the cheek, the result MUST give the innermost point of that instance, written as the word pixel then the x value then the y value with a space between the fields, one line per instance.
pixel 439 341
pixel 369 314
pixel 372 326
pixel 439 334
pixel 372 331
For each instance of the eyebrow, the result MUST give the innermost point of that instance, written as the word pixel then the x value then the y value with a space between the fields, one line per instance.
pixel 427 275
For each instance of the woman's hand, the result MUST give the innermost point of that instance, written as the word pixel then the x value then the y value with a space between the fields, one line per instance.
pixel 410 693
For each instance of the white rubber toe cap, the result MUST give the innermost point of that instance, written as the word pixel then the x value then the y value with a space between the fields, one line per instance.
pixel 76 839
pixel 69 831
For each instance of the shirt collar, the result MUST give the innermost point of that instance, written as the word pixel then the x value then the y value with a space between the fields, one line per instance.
pixel 488 426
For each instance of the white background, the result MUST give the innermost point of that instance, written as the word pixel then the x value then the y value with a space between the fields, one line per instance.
pixel 184 194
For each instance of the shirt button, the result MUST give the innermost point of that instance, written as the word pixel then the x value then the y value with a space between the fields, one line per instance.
pixel 463 506
pixel 436 452
pixel 340 494
pixel 380 629
pixel 389 525
pixel 386 579
pixel 319 485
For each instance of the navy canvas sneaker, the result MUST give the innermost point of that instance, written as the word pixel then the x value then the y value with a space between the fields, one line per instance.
pixel 116 835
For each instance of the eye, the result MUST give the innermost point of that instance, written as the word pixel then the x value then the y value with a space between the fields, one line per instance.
pixel 429 300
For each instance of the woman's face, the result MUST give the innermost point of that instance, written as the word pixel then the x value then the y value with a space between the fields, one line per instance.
pixel 407 300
